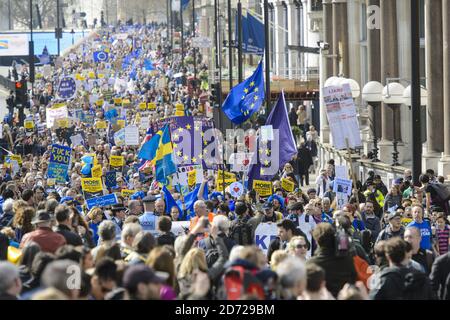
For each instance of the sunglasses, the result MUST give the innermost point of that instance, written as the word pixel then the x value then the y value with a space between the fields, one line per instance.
pixel 301 246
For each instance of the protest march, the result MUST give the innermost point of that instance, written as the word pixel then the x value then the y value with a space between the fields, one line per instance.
pixel 118 170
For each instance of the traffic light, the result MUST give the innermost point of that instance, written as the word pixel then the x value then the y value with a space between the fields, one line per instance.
pixel 21 92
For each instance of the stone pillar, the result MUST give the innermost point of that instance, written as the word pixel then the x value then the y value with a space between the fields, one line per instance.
pixel 434 75
pixel 340 37
pixel 389 69
pixel 280 44
pixel 294 39
pixel 444 162
pixel 374 59
pixel 326 69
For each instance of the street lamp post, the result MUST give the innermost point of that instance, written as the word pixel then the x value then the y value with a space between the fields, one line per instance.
pixel 393 97
pixel 372 94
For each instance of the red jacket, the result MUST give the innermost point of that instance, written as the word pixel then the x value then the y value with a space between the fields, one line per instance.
pixel 48 240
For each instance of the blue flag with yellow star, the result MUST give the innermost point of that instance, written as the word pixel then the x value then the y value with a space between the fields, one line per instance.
pixel 245 98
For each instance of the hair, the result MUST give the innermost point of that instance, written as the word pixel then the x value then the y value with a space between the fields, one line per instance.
pixel 291 244
pixel 106 269
pixel 424 178
pixel 8 205
pixel 8 194
pixel 395 249
pixel 40 262
pixel 62 213
pixel 315 276
pixel 27 194
pixel 323 233
pixel 107 230
pixel 51 205
pixel 222 223
pixel 68 252
pixel 250 253
pixel 8 274
pixel 164 224
pixel 290 271
pixel 96 211
pixel 29 252
pixel 160 259
pixel 277 257
pixel 240 208
pixel 130 230
pixel 209 205
pixel 144 242
pixel 224 207
pixel 194 259
pixel 22 219
pixel 235 252
pixel 287 225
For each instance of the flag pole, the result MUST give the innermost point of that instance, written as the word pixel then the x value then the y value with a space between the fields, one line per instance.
pixel 266 52
pixel 239 37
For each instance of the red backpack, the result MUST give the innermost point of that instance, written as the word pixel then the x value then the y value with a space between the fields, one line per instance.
pixel 239 282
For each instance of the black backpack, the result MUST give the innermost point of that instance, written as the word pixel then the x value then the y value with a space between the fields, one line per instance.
pixel 443 193
pixel 241 233
pixel 417 286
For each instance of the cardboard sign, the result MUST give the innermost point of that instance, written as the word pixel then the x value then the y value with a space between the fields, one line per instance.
pixel 29 124
pixel 264 234
pixel 121 124
pixel 117 101
pixel 131 135
pixel 127 193
pixel 151 106
pixel 264 188
pixel 96 171
pixel 91 184
pixel 109 199
pixel 100 124
pixel 142 106
pixel 192 177
pixel 228 175
pixel 116 161
pixel 287 185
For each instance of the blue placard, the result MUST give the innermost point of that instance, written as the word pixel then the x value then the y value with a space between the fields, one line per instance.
pixel 67 88
pixel 110 179
pixel 109 199
pixel 60 154
pixel 58 171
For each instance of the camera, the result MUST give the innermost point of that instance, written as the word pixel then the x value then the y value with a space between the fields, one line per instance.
pixel 323 45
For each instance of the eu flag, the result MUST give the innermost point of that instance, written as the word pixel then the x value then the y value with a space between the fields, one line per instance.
pixel 100 56
pixel 245 98
pixel 184 4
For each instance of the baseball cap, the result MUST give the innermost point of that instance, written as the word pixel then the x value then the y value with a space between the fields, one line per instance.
pixel 267 205
pixel 139 273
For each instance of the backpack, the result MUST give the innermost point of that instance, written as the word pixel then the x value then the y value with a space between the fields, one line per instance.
pixel 211 253
pixel 443 193
pixel 416 286
pixel 241 233
pixel 239 282
pixel 343 243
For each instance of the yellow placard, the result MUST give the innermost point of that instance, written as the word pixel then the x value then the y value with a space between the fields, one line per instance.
pixel 91 75
pixel 264 188
pixel 51 182
pixel 142 106
pixel 16 157
pixel 100 76
pixel 287 185
pixel 29 124
pixel 179 107
pixel 80 77
pixel 58 105
pixel 179 113
pixel 192 177
pixel 100 102
pixel 127 193
pixel 220 184
pixel 151 106
pixel 116 161
pixel 121 123
pixel 228 175
pixel 96 171
pixel 91 184
pixel 62 123
pixel 126 102
pixel 117 101
pixel 39 76
pixel 100 124
pixel 138 118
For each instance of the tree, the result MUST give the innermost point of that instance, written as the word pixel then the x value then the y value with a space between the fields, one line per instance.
pixel 47 10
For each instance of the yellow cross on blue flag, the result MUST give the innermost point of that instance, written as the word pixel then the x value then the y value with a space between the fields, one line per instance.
pixel 245 98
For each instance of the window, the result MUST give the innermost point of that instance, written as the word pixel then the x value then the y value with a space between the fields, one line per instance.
pixel 363 22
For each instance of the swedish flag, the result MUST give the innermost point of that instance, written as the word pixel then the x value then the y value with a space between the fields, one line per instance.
pixel 245 98
pixel 159 151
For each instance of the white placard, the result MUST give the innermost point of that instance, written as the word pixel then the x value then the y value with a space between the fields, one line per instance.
pixel 179 227
pixel 264 234
pixel 342 186
pixel 145 123
pixel 131 135
pixel 240 162
pixel 267 133
pixel 76 140
pixel 55 113
pixel 236 189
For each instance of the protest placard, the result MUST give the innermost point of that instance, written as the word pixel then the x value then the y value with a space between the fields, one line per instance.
pixel 116 161
pixel 142 106
pixel 127 193
pixel 109 199
pixel 57 112
pixel 264 234
pixel 119 137
pixel 236 189
pixel 342 186
pixel 131 135
pixel 101 124
pixel 151 106
pixel 110 179
pixel 179 227
pixel 91 185
pixel 264 188
pixel 191 177
pixel 76 140
pixel 287 185
pixel 96 171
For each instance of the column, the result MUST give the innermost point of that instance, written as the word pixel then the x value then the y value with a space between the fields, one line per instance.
pixel 389 69
pixel 444 162
pixel 374 58
pixel 340 37
pixel 326 68
pixel 280 45
pixel 434 75
pixel 294 38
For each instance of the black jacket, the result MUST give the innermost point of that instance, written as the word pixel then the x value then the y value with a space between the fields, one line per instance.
pixel 440 276
pixel 338 270
pixel 276 243
pixel 71 237
pixel 167 238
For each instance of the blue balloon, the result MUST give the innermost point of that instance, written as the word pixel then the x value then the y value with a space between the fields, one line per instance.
pixel 87 159
pixel 86 170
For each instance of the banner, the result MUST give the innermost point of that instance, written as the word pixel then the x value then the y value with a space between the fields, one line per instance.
pixel 287 185
pixel 14 45
pixel 67 88
pixel 103 201
pixel 91 185
pixel 264 188
pixel 264 234
pixel 116 161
